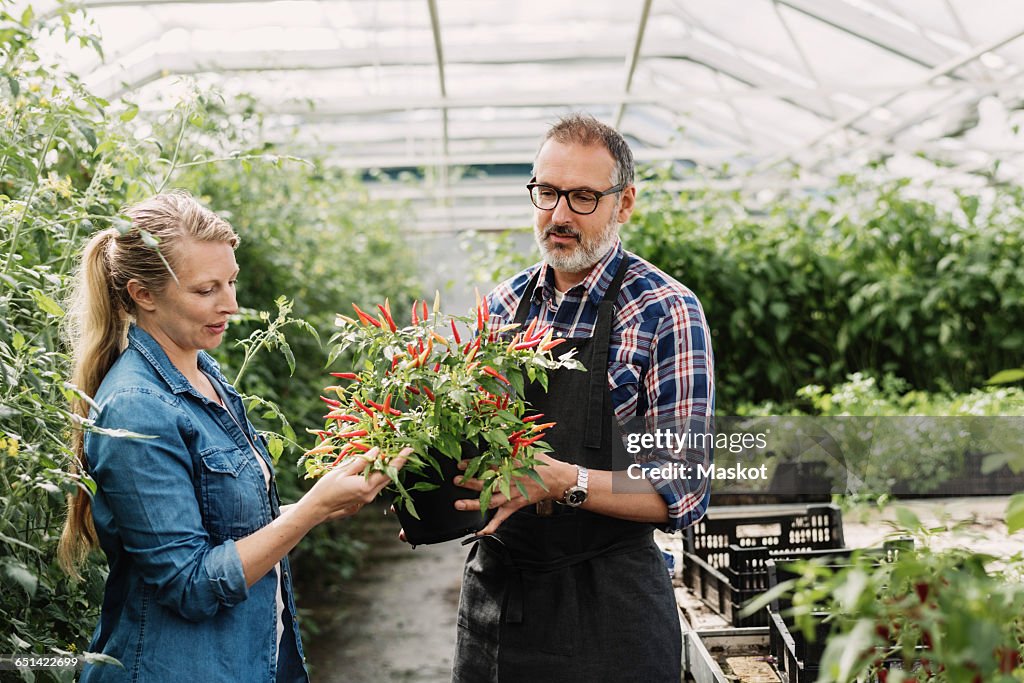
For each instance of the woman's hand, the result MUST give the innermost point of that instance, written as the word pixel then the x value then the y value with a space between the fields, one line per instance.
pixel 344 491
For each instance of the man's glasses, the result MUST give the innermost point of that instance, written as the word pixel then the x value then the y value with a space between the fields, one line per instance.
pixel 583 202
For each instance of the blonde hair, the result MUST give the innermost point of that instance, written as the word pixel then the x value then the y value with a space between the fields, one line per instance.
pixel 101 309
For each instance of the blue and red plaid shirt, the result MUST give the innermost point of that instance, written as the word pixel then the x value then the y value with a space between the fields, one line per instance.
pixel 660 363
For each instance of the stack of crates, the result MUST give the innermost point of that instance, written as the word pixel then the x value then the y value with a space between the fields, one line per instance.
pixel 725 557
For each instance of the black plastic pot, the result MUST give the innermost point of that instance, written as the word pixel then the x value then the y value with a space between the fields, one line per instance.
pixel 439 520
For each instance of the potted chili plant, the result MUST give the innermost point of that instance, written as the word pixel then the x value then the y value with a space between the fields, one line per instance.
pixel 447 397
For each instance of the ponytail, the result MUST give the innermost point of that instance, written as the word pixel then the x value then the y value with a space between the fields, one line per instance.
pixel 101 310
pixel 97 329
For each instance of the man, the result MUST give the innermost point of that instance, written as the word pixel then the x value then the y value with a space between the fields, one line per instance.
pixel 566 584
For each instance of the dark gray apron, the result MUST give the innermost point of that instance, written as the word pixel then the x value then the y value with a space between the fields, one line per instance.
pixel 574 596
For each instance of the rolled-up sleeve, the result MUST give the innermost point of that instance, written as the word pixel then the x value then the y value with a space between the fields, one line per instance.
pixel 679 388
pixel 150 489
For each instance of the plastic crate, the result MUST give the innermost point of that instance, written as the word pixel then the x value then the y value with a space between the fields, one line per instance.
pixel 798 659
pixel 815 527
pixel 725 559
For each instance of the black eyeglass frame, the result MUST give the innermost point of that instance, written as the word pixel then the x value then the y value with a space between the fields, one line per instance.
pixel 565 193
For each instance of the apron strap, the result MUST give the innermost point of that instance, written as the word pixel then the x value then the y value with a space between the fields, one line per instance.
pixel 602 338
pixel 526 301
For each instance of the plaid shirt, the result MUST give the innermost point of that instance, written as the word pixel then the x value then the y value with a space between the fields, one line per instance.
pixel 660 364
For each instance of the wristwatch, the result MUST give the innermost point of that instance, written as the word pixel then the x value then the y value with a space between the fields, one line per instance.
pixel 575 496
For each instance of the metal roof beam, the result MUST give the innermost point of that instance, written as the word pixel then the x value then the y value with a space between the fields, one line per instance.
pixel 939 71
pixel 634 58
pixel 864 25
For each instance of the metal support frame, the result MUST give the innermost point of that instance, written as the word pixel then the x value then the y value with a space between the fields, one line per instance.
pixel 634 59
pixel 940 70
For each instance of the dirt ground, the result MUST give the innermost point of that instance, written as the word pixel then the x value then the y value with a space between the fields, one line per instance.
pixel 395 620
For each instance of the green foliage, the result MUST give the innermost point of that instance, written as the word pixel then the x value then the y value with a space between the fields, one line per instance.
pixel 69 161
pixel 407 391
pixel 947 616
pixel 810 289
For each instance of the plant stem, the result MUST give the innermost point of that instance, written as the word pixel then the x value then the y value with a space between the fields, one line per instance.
pixel 28 203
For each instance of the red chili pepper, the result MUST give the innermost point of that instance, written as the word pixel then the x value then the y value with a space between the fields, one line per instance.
pixel 330 401
pixel 395 359
pixel 455 333
pixel 365 317
pixel 323 434
pixel 419 344
pixel 425 315
pixel 542 427
pixel 354 433
pixel 465 349
pixel 415 318
pixel 365 409
pixel 489 401
pixel 479 319
pixel 533 418
pixel 428 392
pixel 515 435
pixel 488 370
pixel 553 343
pixel 391 424
pixel 359 446
pixel 526 442
pixel 529 330
pixel 388 318
pixel 347 418
pixel 526 345
pixel 387 403
pixel 346 375
pixel 411 349
pixel 412 389
pixel 341 456
pixel 437 366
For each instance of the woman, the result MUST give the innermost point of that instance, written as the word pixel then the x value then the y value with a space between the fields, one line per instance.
pixel 189 519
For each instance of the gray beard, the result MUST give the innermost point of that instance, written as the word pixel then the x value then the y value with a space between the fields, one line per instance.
pixel 583 256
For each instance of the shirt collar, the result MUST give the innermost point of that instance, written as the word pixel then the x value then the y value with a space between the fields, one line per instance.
pixel 595 284
pixel 150 348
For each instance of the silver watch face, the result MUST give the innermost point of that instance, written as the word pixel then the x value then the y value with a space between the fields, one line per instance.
pixel 575 496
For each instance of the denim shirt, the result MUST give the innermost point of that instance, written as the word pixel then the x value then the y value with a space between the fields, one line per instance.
pixel 168 511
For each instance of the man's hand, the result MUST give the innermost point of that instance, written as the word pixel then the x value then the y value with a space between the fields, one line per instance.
pixel 556 475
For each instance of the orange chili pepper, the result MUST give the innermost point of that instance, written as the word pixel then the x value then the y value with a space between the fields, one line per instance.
pixel 366 318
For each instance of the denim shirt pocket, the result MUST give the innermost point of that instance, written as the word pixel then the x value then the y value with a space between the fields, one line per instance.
pixel 233 497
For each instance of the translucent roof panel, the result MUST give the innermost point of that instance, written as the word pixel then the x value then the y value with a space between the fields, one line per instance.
pixel 466 88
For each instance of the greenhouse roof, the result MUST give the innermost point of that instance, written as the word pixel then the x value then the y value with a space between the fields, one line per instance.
pixel 460 91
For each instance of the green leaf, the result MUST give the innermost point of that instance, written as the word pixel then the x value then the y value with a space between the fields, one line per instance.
pixel 18 573
pixel 907 519
pixel 1007 376
pixel 130 113
pixel 275 446
pixel 88 133
pixel 288 356
pixel 1015 513
pixel 46 304
pixel 15 87
pixel 18 342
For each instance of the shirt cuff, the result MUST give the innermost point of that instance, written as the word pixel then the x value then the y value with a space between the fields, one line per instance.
pixel 223 566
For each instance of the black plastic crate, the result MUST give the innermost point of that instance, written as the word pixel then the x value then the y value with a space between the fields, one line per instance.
pixel 797 658
pixel 814 527
pixel 725 559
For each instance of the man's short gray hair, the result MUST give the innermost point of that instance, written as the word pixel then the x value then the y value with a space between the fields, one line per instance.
pixel 584 129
